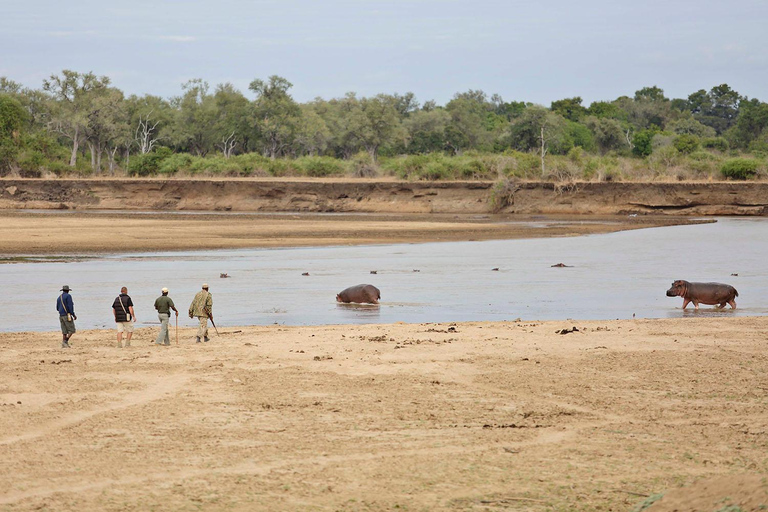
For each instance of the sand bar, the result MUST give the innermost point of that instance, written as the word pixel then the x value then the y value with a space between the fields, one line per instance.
pixel 472 416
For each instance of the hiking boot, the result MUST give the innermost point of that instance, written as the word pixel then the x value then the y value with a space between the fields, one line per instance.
pixel 119 345
pixel 206 339
pixel 198 339
pixel 64 344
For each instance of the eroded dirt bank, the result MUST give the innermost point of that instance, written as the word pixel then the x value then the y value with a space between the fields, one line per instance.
pixel 381 196
pixel 468 416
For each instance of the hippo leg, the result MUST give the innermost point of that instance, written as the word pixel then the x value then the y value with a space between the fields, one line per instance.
pixel 686 302
pixel 721 306
pixel 732 303
pixel 695 304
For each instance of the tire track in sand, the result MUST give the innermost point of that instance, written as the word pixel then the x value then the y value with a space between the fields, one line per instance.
pixel 167 386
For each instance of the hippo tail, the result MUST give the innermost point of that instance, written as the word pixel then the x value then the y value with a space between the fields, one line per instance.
pixel 735 292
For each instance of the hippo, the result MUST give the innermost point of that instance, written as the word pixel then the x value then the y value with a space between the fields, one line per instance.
pixel 362 293
pixel 706 293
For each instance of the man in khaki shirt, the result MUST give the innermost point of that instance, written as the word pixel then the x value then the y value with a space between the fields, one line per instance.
pixel 202 308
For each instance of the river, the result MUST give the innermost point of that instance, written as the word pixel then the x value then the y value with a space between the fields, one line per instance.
pixel 610 276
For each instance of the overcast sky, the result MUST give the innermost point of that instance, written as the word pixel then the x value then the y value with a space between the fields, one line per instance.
pixel 523 50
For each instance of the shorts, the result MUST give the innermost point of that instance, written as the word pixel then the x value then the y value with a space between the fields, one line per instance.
pixel 124 326
pixel 67 326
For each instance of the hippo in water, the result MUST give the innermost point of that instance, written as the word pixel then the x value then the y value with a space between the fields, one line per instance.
pixel 362 293
pixel 706 293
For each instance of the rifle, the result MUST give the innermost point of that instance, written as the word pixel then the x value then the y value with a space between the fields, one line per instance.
pixel 210 317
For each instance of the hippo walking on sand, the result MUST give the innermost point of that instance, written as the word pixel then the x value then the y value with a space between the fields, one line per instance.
pixel 361 293
pixel 705 293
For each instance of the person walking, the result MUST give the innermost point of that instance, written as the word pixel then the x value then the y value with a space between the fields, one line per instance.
pixel 122 308
pixel 66 308
pixel 202 308
pixel 164 304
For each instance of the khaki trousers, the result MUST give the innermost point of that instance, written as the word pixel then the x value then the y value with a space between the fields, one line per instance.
pixel 163 338
pixel 202 330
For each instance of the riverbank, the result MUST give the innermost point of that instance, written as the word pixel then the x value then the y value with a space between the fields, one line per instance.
pixel 378 417
pixel 387 196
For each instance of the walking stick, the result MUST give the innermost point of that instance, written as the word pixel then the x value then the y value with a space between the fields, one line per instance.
pixel 177 328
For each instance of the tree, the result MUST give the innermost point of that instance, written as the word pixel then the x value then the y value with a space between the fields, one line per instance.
pixel 652 93
pixel 717 108
pixel 12 119
pixel 526 132
pixel 569 108
pixel 375 123
pixel 690 126
pixel 106 126
pixel 609 134
pixel 470 115
pixel 426 131
pixel 751 123
pixel 642 142
pixel 232 126
pixel 75 101
pixel 194 119
pixel 276 114
pixel 312 135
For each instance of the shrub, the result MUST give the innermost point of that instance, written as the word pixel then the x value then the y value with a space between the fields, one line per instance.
pixel 717 143
pixel 739 168
pixel 319 166
pixel 686 144
pixel 364 166
pixel 643 143
pixel 148 163
pixel 502 194
pixel 178 162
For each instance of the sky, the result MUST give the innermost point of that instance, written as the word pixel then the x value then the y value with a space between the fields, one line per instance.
pixel 522 50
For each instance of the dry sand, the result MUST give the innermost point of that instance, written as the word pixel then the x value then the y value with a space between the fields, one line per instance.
pixel 469 416
pixel 93 232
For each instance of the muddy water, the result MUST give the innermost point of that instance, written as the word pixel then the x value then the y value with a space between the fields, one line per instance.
pixel 611 276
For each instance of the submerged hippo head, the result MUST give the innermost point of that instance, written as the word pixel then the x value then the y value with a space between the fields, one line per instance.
pixel 678 289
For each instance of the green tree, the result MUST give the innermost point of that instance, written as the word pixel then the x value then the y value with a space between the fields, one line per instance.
pixel 608 133
pixel 276 114
pixel 12 119
pixel 569 108
pixel 686 143
pixel 192 129
pixel 232 127
pixel 652 93
pixel 107 126
pixel 751 123
pixel 526 132
pixel 312 136
pixel 642 142
pixel 74 97
pixel 690 126
pixel 473 122
pixel 717 108
pixel 375 122
pixel 426 131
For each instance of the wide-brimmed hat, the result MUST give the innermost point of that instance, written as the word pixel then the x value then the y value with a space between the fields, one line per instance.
pixel 66 288
pixel 164 290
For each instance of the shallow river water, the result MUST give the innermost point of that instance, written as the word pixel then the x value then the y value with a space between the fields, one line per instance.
pixel 612 276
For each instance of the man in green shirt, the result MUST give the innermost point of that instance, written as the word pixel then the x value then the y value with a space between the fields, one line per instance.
pixel 164 305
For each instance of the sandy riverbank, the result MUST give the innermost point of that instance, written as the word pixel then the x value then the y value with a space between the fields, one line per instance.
pixel 94 232
pixel 473 416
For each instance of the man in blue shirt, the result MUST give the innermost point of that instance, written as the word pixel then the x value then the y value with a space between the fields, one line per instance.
pixel 67 317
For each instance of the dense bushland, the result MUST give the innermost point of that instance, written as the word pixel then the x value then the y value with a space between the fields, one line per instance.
pixel 79 124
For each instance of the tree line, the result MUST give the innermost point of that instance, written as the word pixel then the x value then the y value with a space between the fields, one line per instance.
pixel 81 121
